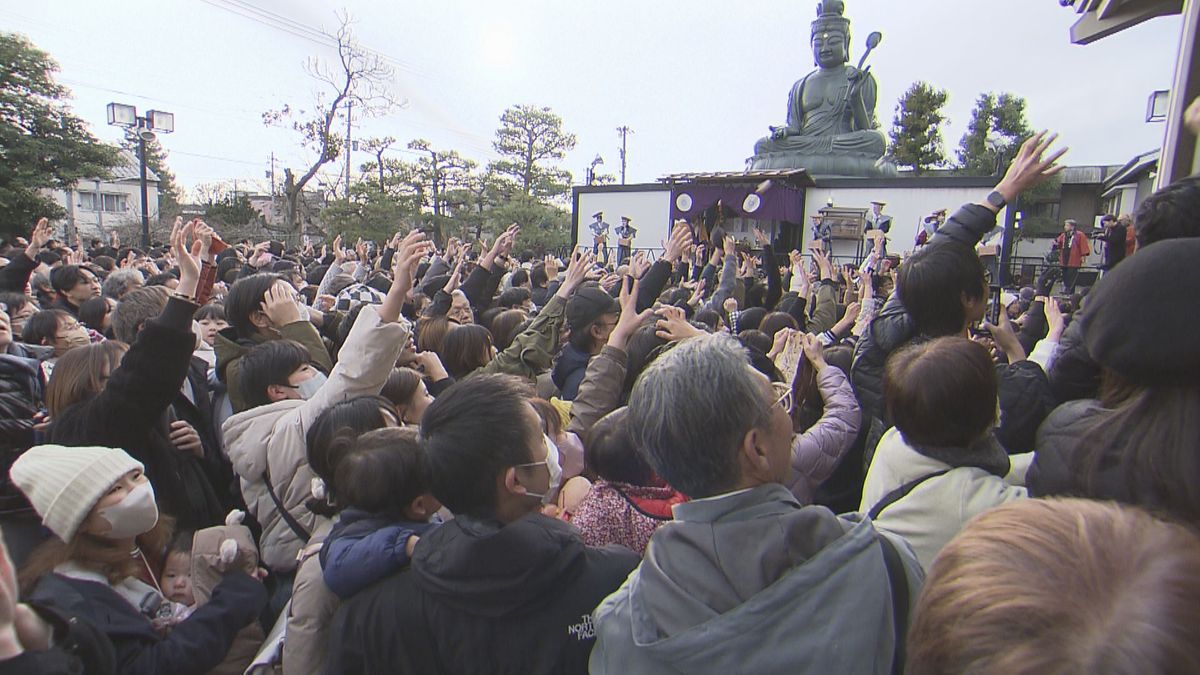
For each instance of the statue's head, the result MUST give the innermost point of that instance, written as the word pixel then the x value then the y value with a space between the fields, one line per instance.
pixel 831 34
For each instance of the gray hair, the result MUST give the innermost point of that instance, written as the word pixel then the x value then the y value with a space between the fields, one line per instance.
pixel 690 410
pixel 120 282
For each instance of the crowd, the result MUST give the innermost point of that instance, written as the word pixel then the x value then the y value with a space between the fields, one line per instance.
pixel 458 457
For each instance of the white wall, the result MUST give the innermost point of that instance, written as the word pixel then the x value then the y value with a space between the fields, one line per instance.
pixel 650 212
pixel 88 222
pixel 907 206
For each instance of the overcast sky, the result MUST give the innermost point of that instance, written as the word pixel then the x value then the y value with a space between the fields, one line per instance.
pixel 697 80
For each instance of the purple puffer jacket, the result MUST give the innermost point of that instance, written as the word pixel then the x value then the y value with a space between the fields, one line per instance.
pixel 818 451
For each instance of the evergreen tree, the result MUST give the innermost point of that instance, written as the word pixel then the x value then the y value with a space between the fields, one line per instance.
pixel 917 128
pixel 43 144
pixel 997 128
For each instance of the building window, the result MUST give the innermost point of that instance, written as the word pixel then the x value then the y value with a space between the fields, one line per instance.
pixel 111 202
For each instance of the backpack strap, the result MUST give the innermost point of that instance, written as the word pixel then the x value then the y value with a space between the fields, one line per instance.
pixel 297 529
pixel 898 580
pixel 901 492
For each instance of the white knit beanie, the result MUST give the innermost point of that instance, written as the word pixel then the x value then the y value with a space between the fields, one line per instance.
pixel 64 483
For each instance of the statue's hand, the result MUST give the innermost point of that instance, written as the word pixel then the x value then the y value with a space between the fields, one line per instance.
pixel 779 133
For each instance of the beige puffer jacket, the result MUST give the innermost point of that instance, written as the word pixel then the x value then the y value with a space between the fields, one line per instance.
pixel 271 438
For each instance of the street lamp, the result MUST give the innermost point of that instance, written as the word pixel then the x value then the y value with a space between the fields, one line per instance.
pixel 141 129
pixel 591 172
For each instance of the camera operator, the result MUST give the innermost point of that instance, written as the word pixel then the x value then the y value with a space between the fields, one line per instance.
pixel 1113 235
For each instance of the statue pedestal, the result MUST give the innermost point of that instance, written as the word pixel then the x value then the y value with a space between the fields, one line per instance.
pixel 852 166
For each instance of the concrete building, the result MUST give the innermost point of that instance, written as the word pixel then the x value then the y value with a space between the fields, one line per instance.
pixel 96 206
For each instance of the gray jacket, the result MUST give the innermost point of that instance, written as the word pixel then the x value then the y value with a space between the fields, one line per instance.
pixel 751 582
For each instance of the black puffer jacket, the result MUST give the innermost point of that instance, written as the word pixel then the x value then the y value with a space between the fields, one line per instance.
pixel 893 328
pixel 21 390
pixel 1024 392
pixel 130 413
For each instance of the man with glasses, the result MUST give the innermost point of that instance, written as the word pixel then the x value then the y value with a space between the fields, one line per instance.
pixel 501 587
pixel 591 316
pixel 746 579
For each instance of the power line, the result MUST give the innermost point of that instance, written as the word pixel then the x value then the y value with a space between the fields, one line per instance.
pixel 283 23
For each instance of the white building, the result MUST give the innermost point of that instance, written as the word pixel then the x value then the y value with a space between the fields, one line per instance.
pixel 96 206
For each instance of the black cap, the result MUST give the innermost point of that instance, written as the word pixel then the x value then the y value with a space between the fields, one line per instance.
pixel 1136 320
pixel 588 304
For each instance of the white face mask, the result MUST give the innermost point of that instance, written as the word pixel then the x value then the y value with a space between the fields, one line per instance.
pixel 554 466
pixel 308 388
pixel 134 515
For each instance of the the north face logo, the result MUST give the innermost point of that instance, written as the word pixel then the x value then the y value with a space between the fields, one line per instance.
pixel 584 630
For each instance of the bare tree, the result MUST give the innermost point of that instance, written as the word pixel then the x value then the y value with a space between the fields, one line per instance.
pixel 359 81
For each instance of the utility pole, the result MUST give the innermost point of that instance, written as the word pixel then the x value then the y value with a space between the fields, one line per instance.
pixel 624 131
pixel 349 118
pixel 274 206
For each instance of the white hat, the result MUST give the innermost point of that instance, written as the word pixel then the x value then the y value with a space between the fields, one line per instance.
pixel 64 484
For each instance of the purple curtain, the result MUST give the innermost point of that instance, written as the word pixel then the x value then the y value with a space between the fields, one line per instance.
pixel 779 202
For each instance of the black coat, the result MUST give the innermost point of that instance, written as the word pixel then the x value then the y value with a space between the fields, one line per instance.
pixel 130 413
pixel 477 599
pixel 196 645
pixel 893 328
pixel 76 647
pixel 21 391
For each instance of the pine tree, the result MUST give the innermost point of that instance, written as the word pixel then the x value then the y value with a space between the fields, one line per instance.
pixel 917 128
pixel 1000 119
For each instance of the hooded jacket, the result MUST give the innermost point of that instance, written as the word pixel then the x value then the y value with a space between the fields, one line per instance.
pixel 751 582
pixel 483 598
pixel 230 350
pixel 934 511
pixel 270 439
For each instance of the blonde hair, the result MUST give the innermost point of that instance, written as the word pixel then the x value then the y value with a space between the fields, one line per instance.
pixel 1062 586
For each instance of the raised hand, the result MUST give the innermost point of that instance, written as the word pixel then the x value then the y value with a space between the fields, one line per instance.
pixel 339 251
pixel 639 264
pixel 1031 166
pixel 188 261
pixel 455 275
pixel 814 351
pixel 674 247
pixel 581 263
pixel 761 237
pixel 1055 319
pixel 673 325
pixel 698 294
pixel 408 255
pixel 204 234
pixel 630 318
pixel 1006 339
pixel 411 249
pixel 823 264
pixel 42 233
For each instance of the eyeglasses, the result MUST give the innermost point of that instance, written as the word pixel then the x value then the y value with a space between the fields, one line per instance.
pixel 783 395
